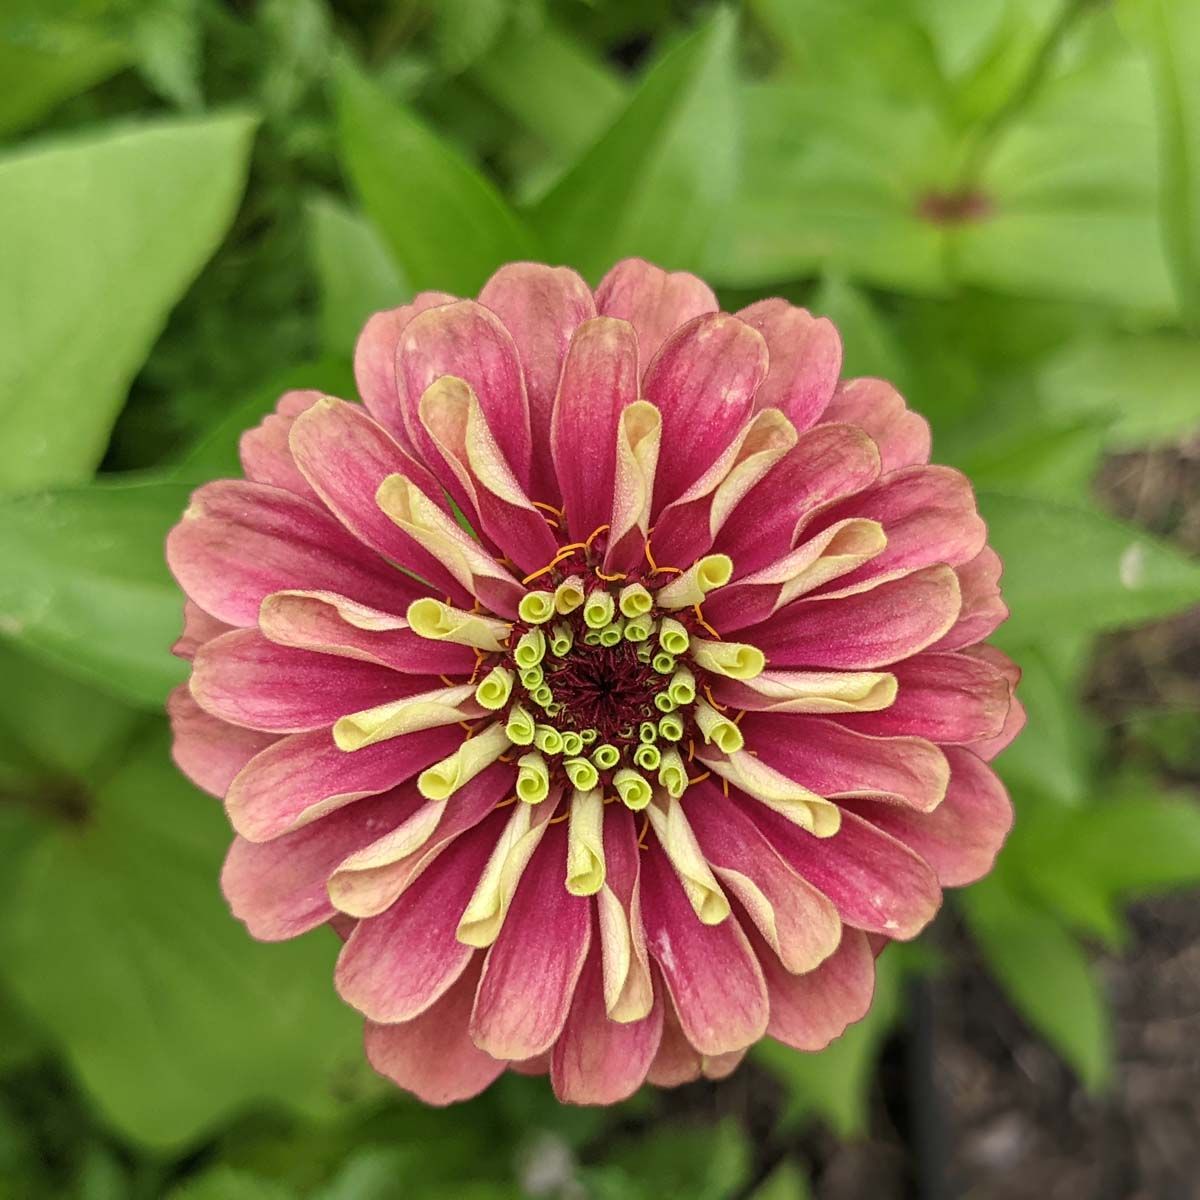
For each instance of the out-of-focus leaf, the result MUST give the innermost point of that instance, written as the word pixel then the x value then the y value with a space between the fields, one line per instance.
pixel 215 455
pixel 1173 31
pixel 1053 756
pixel 833 1084
pixel 355 272
pixel 551 85
pixel 868 345
pixel 85 584
pixel 167 45
pixel 833 183
pixel 465 30
pixel 173 1017
pixel 36 77
pixel 101 237
pixel 228 1183
pixel 702 1164
pixel 1074 570
pixel 784 1183
pixel 1068 196
pixel 447 225
pixel 1149 385
pixel 657 183
pixel 1046 975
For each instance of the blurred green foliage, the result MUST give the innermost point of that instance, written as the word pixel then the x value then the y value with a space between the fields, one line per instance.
pixel 998 202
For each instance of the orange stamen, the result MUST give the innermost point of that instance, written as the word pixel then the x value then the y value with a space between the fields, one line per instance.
pixel 642 833
pixel 594 535
pixel 708 692
pixel 700 617
pixel 700 778
pixel 558 820
pixel 616 575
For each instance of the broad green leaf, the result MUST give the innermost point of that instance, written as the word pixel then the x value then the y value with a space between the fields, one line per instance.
pixel 167 41
pixel 36 78
pixel 1046 975
pixel 658 181
pixel 551 85
pixel 355 273
pixel 229 1183
pixel 465 30
pixel 1069 195
pixel 1149 385
pixel 784 1183
pixel 1173 30
pixel 446 224
pixel 85 584
pixel 1074 570
pixel 101 236
pixel 172 1016
pixel 215 455
pixel 833 1085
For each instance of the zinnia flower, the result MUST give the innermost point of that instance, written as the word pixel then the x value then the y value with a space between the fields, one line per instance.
pixel 612 680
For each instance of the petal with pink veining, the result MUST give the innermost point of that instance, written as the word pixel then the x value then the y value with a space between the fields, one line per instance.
pixel 628 988
pixel 264 451
pixel 208 751
pixel 531 970
pixel 304 776
pixel 1014 722
pixel 238 542
pixel 874 405
pixel 541 308
pixel 806 359
pixel 198 628
pixel 655 302
pixel 983 611
pixel 432 1056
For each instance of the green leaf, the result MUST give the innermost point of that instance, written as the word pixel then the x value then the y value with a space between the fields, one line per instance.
pixel 1146 384
pixel 464 30
pixel 355 273
pixel 1174 34
pixel 834 1084
pixel 868 344
pixel 699 1163
pixel 85 584
pixel 171 1015
pixel 228 1183
pixel 784 1183
pixel 658 182
pixel 1073 570
pixel 101 237
pixel 550 84
pixel 1046 975
pixel 446 224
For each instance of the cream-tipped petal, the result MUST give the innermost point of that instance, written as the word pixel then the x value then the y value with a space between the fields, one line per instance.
pixel 675 835
pixel 536 608
pixel 598 609
pixel 569 595
pixel 521 727
pixel 737 660
pixel 533 778
pixel 444 778
pixel 635 600
pixel 672 773
pixel 582 773
pixel 439 622
pixel 811 692
pixel 639 437
pixel 585 843
pixel 428 710
pixel 718 730
pixel 633 789
pixel 774 789
pixel 530 649
pixel 495 688
pixel 672 636
pixel 703 576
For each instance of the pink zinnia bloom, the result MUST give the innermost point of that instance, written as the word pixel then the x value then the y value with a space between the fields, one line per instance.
pixel 652 759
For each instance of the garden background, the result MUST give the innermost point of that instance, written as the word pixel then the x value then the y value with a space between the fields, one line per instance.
pixel 999 204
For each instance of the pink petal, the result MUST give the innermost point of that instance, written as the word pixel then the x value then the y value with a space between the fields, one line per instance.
pixel 826 462
pixel 628 987
pixel 247 680
pixel 399 963
pixel 331 624
pixel 800 924
pixel 678 1061
pixel 1014 722
pixel 703 381
pixel 834 761
pixel 874 405
pixel 432 1056
pixel 278 888
pixel 806 359
pixel 264 451
pixel 198 628
pixel 962 836
pixel 877 883
pixel 983 611
pixel 714 979
pixel 541 308
pixel 928 514
pixel 304 776
pixel 655 302
pixel 597 1060
pixel 808 1011
pixel 532 968
pixel 209 752
pixel 948 698
pixel 368 882
pixel 599 379
pixel 451 415
pixel 865 630
pixel 346 455
pixel 238 542
pixel 468 341
pixel 375 361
